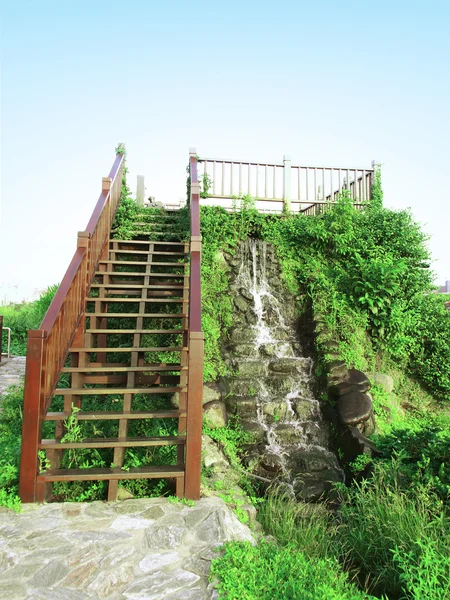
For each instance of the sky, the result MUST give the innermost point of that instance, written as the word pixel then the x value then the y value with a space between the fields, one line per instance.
pixel 328 83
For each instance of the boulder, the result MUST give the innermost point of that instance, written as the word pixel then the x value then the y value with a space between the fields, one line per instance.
pixel 384 381
pixel 212 456
pixel 241 304
pixel 355 381
pixel 211 392
pixel 215 413
pixel 354 407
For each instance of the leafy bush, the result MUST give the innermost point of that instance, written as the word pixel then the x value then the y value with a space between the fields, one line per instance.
pixel 271 572
pixel 22 317
pixel 383 527
pixel 11 413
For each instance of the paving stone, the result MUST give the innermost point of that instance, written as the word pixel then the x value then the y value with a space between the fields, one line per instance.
pixel 160 584
pixel 50 574
pixel 98 550
pixel 154 562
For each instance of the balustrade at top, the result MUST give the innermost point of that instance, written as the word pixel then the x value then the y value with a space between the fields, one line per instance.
pixel 278 186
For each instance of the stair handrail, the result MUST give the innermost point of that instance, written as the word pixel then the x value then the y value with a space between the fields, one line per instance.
pixel 195 343
pixel 48 346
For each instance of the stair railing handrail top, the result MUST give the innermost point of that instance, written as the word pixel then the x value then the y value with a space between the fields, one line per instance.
pixel 281 165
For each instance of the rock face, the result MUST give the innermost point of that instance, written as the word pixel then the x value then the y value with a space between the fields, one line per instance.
pixel 138 549
pixel 271 391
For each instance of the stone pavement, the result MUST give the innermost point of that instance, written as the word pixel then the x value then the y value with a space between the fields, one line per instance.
pixel 144 549
pixel 12 371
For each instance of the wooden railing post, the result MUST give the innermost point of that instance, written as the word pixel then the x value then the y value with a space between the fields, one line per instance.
pixel 287 182
pixel 33 407
pixel 196 346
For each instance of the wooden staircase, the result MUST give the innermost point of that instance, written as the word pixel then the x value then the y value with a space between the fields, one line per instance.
pixel 136 344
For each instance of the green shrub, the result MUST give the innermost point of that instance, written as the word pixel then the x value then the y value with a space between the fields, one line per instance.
pixel 271 572
pixel 380 522
pixel 11 413
pixel 22 317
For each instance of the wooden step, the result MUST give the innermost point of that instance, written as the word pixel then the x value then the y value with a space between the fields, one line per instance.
pixel 134 315
pixel 119 391
pixel 143 263
pixel 153 472
pixel 107 369
pixel 146 300
pixel 134 286
pixel 157 252
pixel 114 416
pixel 158 349
pixel 162 293
pixel 146 331
pixel 141 274
pixel 114 442
pixel 154 242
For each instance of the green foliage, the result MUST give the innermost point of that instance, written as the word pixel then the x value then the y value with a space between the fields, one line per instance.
pixel 180 501
pixel 231 439
pixel 270 572
pixel 11 414
pixel 421 447
pixel 424 571
pixel 22 317
pixel 311 528
pixel 380 518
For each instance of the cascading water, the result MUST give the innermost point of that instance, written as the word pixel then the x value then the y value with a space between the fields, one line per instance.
pixel 272 391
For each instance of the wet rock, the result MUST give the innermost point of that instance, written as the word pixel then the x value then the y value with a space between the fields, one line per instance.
pixel 241 304
pixel 354 381
pixel 246 294
pixel 304 408
pixel 271 462
pixel 292 365
pixel 251 317
pixel 243 336
pixel 354 408
pixel 337 368
pixel 243 406
pixel 215 413
pixel 244 387
pixel 276 410
pixel 250 368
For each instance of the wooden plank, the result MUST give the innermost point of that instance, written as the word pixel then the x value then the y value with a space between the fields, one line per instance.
pixel 118 391
pixel 147 300
pixel 154 379
pixel 134 315
pixel 168 243
pixel 153 472
pixel 155 253
pixel 113 416
pixel 154 349
pixel 143 263
pixel 146 331
pixel 125 286
pixel 107 369
pixel 114 442
pixel 140 274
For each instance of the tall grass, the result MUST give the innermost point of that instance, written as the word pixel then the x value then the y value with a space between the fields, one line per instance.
pixel 394 540
pixel 22 317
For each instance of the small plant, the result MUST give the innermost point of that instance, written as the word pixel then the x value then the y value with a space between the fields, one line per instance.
pixel 183 501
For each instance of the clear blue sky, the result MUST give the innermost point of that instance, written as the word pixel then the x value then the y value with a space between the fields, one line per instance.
pixel 326 82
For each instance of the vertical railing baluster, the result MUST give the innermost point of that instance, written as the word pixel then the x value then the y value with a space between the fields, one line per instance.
pixel 240 178
pixel 274 181
pixel 249 181
pixel 266 180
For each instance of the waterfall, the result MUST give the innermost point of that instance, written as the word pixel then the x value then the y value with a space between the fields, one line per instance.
pixel 272 390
